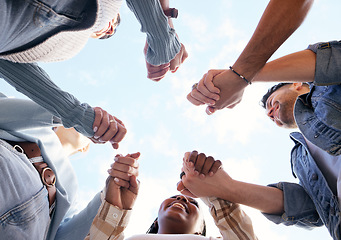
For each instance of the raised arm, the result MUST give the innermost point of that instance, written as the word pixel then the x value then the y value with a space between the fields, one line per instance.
pixel 36 84
pixel 163 51
pixel 279 20
pixel 221 185
pixel 119 198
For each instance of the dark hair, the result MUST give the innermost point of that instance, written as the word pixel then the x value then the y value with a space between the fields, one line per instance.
pixel 154 228
pixel 271 91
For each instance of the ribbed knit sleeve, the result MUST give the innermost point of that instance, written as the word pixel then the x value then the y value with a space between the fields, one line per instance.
pixel 34 82
pixel 162 40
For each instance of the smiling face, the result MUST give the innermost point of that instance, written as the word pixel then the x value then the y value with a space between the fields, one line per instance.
pixel 280 104
pixel 179 215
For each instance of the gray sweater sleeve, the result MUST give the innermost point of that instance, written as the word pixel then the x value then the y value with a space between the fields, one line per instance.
pixel 162 40
pixel 34 82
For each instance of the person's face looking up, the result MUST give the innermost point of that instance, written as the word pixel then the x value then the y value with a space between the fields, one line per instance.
pixel 179 214
pixel 109 30
pixel 280 104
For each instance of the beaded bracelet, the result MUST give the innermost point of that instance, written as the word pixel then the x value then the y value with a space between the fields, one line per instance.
pixel 241 76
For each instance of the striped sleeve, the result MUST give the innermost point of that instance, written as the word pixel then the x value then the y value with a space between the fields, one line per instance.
pixel 34 82
pixel 109 223
pixel 232 221
pixel 162 40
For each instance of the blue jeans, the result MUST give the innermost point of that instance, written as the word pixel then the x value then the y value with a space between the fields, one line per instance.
pixel 24 207
pixel 29 22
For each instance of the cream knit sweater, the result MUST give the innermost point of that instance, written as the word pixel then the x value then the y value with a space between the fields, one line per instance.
pixel 66 44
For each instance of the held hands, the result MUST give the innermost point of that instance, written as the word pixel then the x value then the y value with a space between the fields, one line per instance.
pixel 218 89
pixel 122 184
pixel 156 73
pixel 107 128
pixel 203 177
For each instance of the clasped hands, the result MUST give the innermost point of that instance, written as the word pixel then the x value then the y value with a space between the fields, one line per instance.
pixel 218 89
pixel 204 176
pixel 122 185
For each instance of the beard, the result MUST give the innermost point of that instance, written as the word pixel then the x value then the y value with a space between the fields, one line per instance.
pixel 286 114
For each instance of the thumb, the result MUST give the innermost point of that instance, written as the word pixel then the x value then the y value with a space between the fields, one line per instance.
pixel 134 184
pixel 210 110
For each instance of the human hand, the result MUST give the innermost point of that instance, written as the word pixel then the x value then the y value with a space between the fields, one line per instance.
pixel 107 128
pixel 122 184
pixel 218 89
pixel 203 165
pixel 195 186
pixel 156 73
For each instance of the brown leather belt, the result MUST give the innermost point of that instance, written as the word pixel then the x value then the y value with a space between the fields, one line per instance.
pixel 47 175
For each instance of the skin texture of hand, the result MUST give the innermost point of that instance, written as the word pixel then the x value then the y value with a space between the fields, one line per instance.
pixel 107 128
pixel 122 184
pixel 218 89
pixel 156 73
pixel 204 166
pixel 279 20
pixel 221 185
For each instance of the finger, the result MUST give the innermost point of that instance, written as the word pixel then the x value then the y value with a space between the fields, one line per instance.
pixel 193 157
pixel 115 145
pixel 121 175
pixel 193 100
pixel 200 162
pixel 201 87
pixel 98 118
pixel 104 124
pixel 210 110
pixel 209 161
pixel 110 131
pixel 134 155
pixel 156 73
pixel 121 132
pixel 197 95
pixel 181 188
pixel 121 182
pixel 188 168
pixel 215 167
pixel 129 161
pixel 208 81
pixel 118 120
pixel 134 184
pixel 186 156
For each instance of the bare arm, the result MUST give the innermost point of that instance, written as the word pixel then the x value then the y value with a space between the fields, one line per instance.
pixel 279 20
pixel 221 185
pixel 295 67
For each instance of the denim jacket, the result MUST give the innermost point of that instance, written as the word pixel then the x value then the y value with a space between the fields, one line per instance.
pixel 26 121
pixel 311 203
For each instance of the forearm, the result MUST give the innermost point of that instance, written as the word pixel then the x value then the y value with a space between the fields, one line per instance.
pixel 279 21
pixel 32 81
pixel 295 67
pixel 165 6
pixel 264 198
pixel 163 44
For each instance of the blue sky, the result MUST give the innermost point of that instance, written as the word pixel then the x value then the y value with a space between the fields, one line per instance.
pixel 163 125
